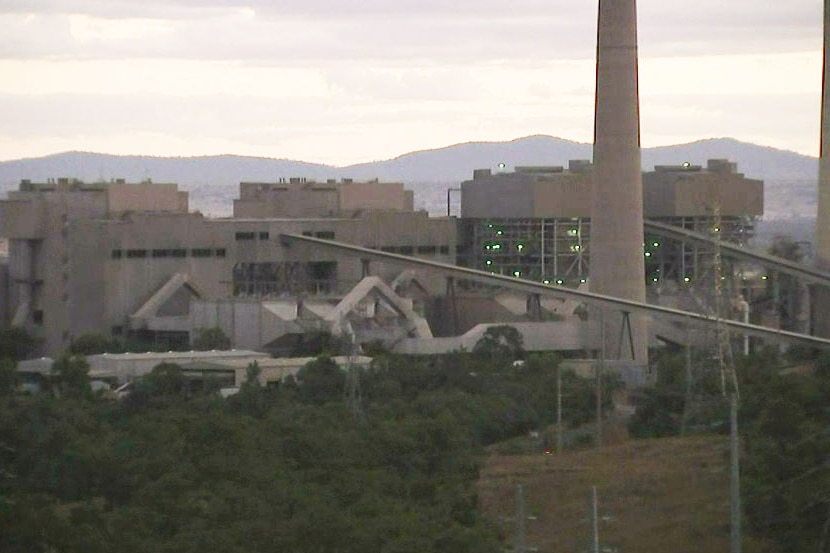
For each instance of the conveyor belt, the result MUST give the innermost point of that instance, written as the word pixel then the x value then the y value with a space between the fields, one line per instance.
pixel 619 304
pixel 802 272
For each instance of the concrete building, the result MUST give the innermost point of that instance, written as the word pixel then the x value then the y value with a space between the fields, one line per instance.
pixel 536 223
pixel 126 260
pixel 298 198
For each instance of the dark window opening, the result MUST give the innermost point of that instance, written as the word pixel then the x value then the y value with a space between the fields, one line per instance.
pixel 264 235
pixel 201 252
pixel 161 253
pixel 178 253
pixel 117 254
pixel 136 254
pixel 429 250
pixel 406 250
pixel 37 316
pixel 445 250
pixel 245 235
pixel 325 234
pixel 220 252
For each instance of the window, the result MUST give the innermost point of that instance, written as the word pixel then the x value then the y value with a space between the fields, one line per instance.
pixel 307 233
pixel 220 252
pixel 445 250
pixel 178 253
pixel 245 235
pixel 117 330
pixel 325 234
pixel 263 235
pixel 37 316
pixel 117 254
pixel 201 252
pixel 429 250
pixel 136 254
pixel 161 253
pixel 406 250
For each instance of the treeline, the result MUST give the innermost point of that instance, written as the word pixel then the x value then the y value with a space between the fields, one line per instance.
pixel 387 461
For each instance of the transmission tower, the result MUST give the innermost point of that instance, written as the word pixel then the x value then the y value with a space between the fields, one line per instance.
pixel 712 374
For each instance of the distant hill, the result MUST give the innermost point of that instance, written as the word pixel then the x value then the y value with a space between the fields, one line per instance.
pixel 214 180
pixel 448 164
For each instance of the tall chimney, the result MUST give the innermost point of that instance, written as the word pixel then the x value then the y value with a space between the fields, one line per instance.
pixel 821 295
pixel 617 214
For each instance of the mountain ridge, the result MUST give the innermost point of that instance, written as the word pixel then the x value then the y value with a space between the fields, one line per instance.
pixel 757 161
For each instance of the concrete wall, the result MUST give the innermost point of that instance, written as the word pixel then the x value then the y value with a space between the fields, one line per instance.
pixel 502 196
pixel 123 197
pixel 374 195
pixel 692 192
pixel 549 336
pixel 567 195
pixel 304 199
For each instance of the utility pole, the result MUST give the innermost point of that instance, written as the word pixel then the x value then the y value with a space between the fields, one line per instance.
pixel 734 475
pixel 559 436
pixel 594 512
pixel 521 538
pixel 598 367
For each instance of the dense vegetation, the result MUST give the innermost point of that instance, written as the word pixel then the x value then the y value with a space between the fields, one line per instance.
pixel 389 466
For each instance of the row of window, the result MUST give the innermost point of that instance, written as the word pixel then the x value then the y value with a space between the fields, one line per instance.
pixel 422 250
pixel 250 235
pixel 161 253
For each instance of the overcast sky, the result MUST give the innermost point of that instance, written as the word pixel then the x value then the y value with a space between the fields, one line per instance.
pixel 345 81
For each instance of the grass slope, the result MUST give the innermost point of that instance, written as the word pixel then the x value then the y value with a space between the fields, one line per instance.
pixel 654 496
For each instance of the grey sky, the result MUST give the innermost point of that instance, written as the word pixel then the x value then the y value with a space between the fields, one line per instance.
pixel 342 81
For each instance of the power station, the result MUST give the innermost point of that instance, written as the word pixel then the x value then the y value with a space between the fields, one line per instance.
pixel 578 259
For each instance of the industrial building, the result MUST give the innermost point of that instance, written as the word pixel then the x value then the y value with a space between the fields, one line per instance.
pixel 127 260
pixel 535 223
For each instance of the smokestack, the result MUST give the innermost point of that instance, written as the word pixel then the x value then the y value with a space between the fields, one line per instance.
pixel 617 215
pixel 821 295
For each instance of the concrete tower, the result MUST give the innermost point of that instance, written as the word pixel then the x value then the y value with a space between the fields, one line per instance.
pixel 821 295
pixel 617 214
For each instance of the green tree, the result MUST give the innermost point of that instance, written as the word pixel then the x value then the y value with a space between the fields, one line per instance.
pixel 501 342
pixel 92 344
pixel 71 374
pixel 8 377
pixel 212 338
pixel 16 343
pixel 321 381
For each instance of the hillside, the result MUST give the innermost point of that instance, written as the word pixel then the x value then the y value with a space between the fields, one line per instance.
pixel 448 164
pixel 654 495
